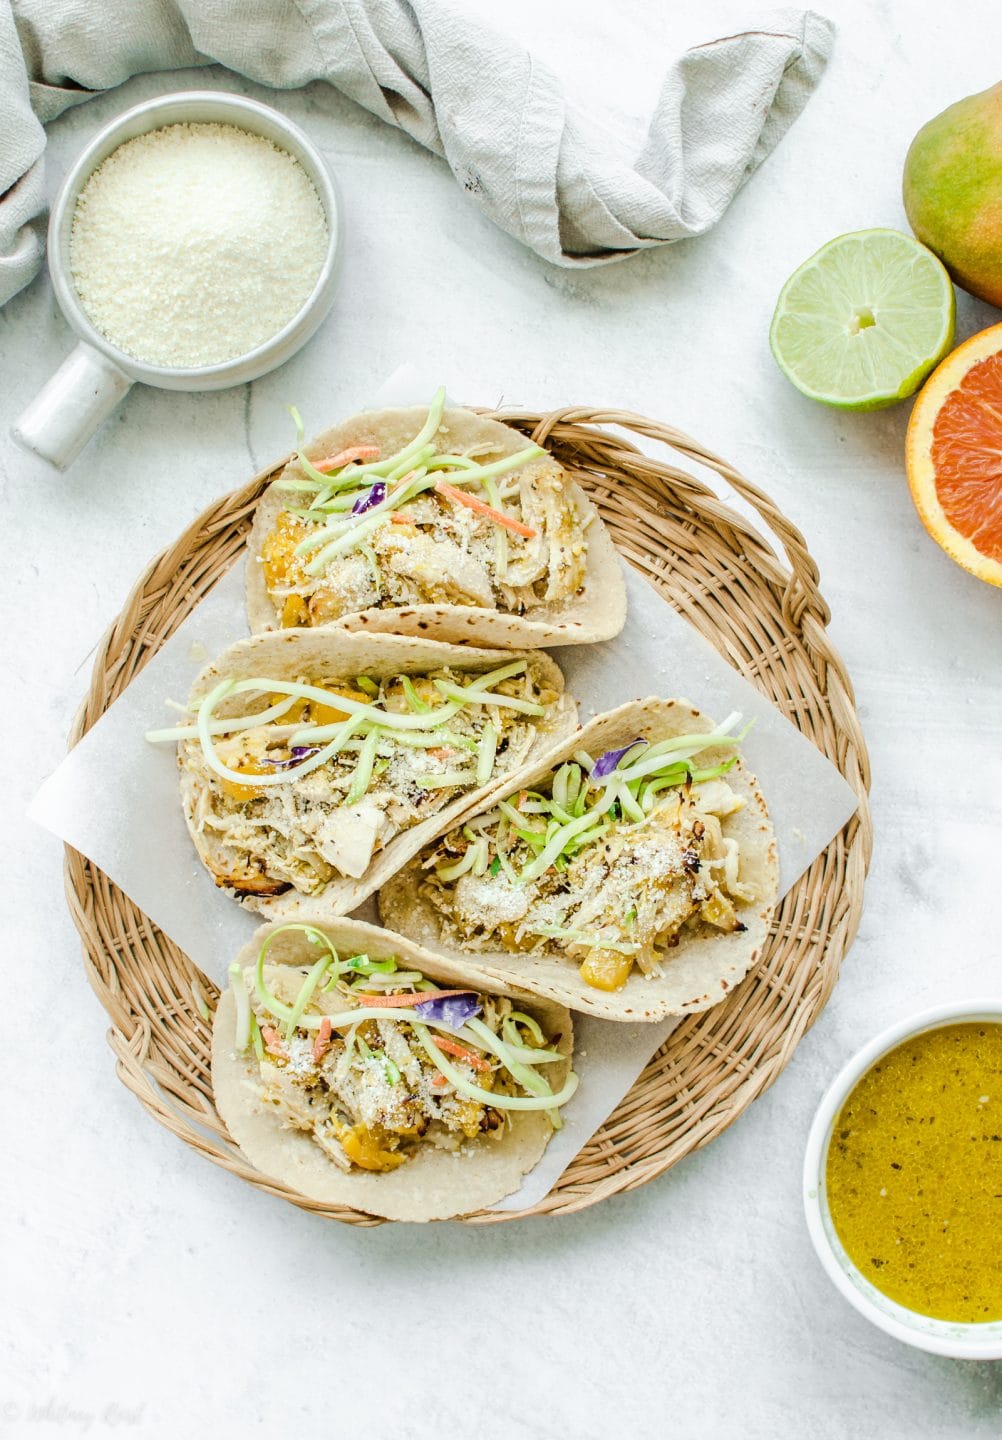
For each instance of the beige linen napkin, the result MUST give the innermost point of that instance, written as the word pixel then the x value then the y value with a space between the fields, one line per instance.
pixel 540 169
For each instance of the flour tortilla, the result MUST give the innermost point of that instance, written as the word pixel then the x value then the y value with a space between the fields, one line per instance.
pixel 597 612
pixel 334 654
pixel 435 1184
pixel 705 965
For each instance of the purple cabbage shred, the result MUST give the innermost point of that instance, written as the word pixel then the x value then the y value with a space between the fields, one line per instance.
pixel 605 764
pixel 298 753
pixel 372 497
pixel 454 1011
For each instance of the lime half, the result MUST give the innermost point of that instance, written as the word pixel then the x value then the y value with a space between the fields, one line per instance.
pixel 861 323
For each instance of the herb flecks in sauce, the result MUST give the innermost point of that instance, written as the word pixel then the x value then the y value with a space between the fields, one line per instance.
pixel 914 1173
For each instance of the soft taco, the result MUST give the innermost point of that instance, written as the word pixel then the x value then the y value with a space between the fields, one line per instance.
pixel 433 522
pixel 631 874
pixel 362 1071
pixel 313 763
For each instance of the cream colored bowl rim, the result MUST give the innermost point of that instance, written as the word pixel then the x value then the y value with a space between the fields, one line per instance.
pixel 976 1341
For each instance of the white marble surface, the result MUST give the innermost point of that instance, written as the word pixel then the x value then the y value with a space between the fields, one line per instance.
pixel 147 1293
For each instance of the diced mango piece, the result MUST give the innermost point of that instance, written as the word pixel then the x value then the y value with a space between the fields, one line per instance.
pixel 282 566
pixel 295 612
pixel 606 969
pixel 718 911
pixel 508 935
pixel 364 1148
pixel 315 712
pixel 469 1114
pixel 244 792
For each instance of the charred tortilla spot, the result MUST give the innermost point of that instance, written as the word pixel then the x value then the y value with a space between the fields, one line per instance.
pixel 250 884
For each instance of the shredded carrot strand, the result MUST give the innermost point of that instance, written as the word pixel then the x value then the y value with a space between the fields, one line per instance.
pixel 399 1001
pixel 322 1043
pixel 472 503
pixel 345 457
pixel 272 1042
pixel 451 1047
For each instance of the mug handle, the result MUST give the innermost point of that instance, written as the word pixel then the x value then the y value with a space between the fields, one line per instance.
pixel 72 406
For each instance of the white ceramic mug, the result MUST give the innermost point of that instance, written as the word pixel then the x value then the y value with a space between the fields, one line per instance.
pixel 96 375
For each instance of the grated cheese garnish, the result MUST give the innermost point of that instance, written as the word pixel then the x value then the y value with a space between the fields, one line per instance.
pixel 194 244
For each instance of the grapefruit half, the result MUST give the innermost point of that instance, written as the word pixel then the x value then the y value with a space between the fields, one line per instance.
pixel 954 455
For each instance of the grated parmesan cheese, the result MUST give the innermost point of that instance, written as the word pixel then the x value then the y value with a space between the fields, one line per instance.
pixel 194 244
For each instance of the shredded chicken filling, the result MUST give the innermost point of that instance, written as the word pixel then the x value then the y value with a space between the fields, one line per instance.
pixel 622 899
pixel 369 1096
pixel 437 551
pixel 265 840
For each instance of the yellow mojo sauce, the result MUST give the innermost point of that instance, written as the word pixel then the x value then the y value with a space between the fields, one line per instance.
pixel 914 1173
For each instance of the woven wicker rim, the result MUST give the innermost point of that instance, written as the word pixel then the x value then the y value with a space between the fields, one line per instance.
pixel 768 620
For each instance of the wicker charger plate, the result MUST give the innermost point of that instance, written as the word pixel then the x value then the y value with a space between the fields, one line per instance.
pixel 767 620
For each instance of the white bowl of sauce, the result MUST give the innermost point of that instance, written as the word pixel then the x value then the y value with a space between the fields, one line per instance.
pixel 903 1180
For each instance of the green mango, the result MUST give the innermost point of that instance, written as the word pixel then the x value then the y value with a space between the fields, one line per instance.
pixel 953 191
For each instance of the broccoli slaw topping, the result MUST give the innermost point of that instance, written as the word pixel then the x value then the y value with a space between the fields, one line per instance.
pixel 374 1061
pixel 608 861
pixel 311 777
pixel 422 526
